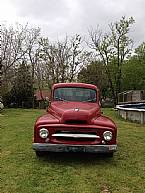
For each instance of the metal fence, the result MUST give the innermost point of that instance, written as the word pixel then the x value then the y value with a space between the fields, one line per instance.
pixel 131 96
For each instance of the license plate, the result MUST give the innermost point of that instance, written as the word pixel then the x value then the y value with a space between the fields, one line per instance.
pixel 112 148
pixel 75 149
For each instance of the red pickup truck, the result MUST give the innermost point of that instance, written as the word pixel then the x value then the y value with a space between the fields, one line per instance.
pixel 74 122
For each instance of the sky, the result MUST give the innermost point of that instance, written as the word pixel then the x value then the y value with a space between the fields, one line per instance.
pixel 58 18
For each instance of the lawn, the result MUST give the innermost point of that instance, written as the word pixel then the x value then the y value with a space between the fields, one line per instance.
pixel 23 172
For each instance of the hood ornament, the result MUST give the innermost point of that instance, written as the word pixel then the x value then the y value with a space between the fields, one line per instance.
pixel 76 109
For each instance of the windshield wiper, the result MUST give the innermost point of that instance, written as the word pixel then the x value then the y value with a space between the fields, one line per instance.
pixel 60 99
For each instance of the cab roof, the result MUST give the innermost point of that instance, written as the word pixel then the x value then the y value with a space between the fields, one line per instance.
pixel 84 85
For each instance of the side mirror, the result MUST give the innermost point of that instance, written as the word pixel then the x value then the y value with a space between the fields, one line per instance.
pixel 99 103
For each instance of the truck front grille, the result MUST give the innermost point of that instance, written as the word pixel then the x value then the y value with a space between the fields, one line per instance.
pixel 76 136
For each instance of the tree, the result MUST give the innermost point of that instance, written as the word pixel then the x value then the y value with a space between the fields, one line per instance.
pixel 13 48
pixel 18 43
pixel 22 90
pixel 134 70
pixel 62 60
pixel 113 48
pixel 94 73
pixel 33 50
pixel 77 57
pixel 140 52
pixel 48 68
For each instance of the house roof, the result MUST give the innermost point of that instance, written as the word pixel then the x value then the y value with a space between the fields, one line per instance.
pixel 42 95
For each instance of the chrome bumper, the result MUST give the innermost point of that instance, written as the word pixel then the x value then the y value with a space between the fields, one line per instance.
pixel 74 148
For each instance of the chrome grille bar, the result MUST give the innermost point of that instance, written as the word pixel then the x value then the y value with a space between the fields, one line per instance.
pixel 76 135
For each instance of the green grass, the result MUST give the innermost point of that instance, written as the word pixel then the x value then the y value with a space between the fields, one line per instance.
pixel 23 172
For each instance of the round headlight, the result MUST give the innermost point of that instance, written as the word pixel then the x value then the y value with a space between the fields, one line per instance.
pixel 43 133
pixel 107 135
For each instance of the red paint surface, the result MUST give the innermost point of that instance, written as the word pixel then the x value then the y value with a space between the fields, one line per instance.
pixel 88 119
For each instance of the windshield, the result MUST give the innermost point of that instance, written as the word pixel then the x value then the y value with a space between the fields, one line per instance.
pixel 75 94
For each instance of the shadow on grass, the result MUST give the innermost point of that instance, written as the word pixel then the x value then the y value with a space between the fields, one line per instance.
pixel 77 158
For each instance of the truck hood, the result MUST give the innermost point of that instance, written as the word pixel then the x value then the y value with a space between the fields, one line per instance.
pixel 74 112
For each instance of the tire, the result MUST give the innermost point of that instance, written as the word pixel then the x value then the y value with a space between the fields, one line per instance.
pixel 109 154
pixel 40 153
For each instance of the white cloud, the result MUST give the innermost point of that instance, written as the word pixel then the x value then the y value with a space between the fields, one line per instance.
pixel 60 17
pixel 7 12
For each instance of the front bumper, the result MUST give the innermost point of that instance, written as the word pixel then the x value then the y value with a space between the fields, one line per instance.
pixel 74 148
